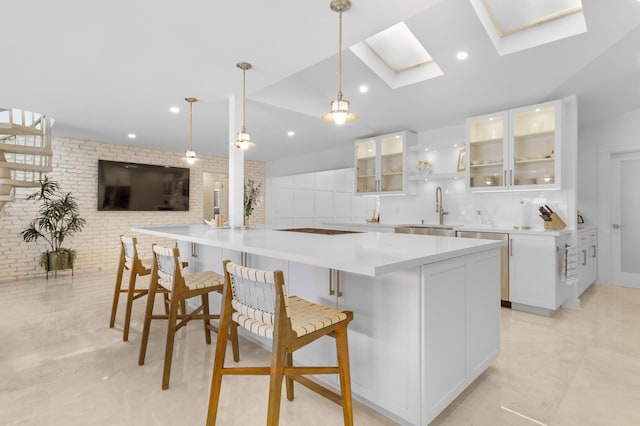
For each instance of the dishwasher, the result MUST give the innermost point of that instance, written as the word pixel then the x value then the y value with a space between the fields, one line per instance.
pixel 504 260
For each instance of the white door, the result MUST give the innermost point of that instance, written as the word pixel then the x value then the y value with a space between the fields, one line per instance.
pixel 625 219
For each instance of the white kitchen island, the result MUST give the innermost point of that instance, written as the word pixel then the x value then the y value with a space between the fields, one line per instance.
pixel 426 309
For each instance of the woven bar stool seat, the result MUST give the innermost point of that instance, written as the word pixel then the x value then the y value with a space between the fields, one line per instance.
pixel 169 278
pixel 256 300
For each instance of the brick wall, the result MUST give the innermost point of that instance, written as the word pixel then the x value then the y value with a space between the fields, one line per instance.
pixel 75 167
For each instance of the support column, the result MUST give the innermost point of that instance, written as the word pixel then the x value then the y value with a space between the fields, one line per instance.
pixel 236 167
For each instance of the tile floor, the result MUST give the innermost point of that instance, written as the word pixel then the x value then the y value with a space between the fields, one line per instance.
pixel 60 364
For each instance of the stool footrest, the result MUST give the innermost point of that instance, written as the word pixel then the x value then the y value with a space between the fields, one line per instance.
pixel 319 389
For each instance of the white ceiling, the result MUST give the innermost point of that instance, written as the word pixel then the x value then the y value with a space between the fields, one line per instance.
pixel 106 69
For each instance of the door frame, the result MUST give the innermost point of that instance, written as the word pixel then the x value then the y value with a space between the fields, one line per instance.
pixel 604 200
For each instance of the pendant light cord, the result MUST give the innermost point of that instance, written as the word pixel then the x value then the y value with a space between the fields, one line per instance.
pixel 340 60
pixel 190 126
pixel 244 97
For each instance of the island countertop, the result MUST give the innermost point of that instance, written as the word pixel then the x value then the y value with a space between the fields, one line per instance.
pixel 366 253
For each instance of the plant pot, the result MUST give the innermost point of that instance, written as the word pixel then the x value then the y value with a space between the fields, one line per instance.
pixel 57 261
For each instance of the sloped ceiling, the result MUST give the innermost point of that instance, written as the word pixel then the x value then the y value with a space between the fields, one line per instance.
pixel 105 69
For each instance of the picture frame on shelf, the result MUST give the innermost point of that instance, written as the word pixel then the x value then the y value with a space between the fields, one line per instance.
pixel 462 160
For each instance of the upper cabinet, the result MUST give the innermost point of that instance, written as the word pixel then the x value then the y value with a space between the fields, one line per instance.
pixel 517 149
pixel 382 164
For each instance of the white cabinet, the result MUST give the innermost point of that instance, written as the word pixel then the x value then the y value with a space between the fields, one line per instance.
pixel 537 272
pixel 518 149
pixel 382 164
pixel 310 199
pixel 587 258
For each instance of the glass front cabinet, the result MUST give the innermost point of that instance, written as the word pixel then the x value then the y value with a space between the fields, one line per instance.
pixel 382 165
pixel 517 149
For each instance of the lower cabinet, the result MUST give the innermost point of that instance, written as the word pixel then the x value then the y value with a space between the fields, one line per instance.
pixel 538 272
pixel 587 258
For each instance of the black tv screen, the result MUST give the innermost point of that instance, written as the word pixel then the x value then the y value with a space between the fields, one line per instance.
pixel 142 187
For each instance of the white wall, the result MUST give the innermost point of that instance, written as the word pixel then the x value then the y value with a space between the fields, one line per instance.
pixel 75 167
pixel 597 140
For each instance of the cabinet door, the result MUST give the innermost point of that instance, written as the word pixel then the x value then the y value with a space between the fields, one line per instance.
pixel 534 139
pixel 367 166
pixel 533 271
pixel 392 163
pixel 486 152
pixel 385 332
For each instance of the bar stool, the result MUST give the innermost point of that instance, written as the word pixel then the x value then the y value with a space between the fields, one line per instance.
pixel 168 277
pixel 128 260
pixel 256 300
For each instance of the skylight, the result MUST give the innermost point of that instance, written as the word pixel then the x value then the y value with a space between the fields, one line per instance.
pixel 397 56
pixel 515 25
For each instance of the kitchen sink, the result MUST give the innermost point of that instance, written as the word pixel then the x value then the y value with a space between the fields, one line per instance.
pixel 426 229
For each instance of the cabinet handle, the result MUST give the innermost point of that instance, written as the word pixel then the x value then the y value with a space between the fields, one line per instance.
pixel 584 257
pixel 510 245
pixel 194 250
pixel 504 182
pixel 339 283
pixel 511 177
pixel 593 253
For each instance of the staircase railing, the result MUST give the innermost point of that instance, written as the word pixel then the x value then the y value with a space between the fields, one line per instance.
pixel 25 150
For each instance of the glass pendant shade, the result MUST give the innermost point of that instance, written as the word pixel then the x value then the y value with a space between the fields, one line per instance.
pixel 190 156
pixel 339 113
pixel 243 140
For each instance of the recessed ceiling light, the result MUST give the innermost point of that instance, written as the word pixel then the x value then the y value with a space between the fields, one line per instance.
pixel 291 133
pixel 174 110
pixel 455 145
pixel 462 55
pixel 365 89
pixel 131 135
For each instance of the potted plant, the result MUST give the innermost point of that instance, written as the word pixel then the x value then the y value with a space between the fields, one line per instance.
pixel 57 218
pixel 252 199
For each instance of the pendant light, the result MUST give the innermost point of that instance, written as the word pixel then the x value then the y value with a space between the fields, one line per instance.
pixel 243 138
pixel 340 113
pixel 190 154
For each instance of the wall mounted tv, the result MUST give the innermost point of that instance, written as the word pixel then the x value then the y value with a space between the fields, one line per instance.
pixel 142 187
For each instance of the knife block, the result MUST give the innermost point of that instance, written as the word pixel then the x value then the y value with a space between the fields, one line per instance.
pixel 555 223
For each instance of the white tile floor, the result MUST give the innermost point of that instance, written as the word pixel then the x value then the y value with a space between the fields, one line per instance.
pixel 60 364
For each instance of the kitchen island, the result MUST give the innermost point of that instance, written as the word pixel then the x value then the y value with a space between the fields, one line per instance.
pixel 426 309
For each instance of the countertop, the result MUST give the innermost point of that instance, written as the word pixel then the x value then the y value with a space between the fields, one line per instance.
pixel 366 253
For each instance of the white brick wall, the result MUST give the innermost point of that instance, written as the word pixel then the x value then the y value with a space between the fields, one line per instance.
pixel 75 167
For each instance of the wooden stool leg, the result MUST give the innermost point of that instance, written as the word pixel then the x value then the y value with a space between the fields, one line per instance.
pixel 171 334
pixel 207 323
pixel 116 295
pixel 130 294
pixel 218 364
pixel 151 297
pixel 342 347
pixel 234 342
pixel 289 380
pixel 275 383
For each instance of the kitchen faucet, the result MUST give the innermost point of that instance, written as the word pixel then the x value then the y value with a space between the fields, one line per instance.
pixel 439 206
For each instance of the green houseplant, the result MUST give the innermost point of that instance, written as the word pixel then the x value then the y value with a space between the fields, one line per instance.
pixel 58 217
pixel 252 199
